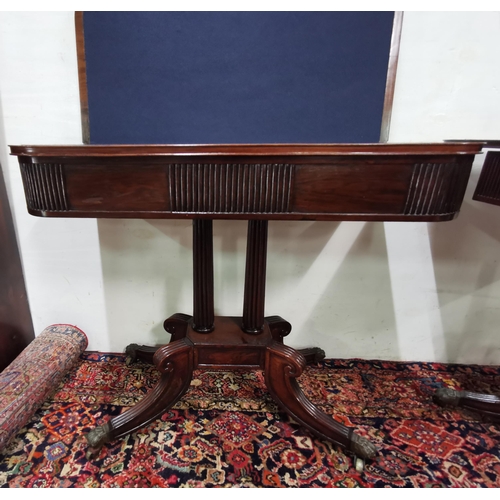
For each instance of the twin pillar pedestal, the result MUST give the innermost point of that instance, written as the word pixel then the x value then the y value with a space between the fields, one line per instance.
pixel 227 343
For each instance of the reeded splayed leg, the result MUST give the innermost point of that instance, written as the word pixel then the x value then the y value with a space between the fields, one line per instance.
pixel 176 325
pixel 282 366
pixel 487 404
pixel 175 363
pixel 312 354
pixel 141 352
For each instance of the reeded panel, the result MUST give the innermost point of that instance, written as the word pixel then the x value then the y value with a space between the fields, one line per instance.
pixel 436 188
pixel 267 182
pixel 44 186
pixel 230 188
pixel 488 185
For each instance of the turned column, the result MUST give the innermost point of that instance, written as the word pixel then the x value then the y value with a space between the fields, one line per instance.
pixel 255 277
pixel 203 276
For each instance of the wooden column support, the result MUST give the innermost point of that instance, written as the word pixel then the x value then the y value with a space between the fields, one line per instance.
pixel 255 277
pixel 203 276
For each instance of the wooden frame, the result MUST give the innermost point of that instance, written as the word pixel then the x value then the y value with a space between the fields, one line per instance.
pixel 82 77
pixel 391 76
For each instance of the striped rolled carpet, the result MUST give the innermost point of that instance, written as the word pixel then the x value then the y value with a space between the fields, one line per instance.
pixel 36 373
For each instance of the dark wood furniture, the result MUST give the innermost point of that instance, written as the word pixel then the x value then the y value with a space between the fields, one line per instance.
pixel 16 328
pixel 488 191
pixel 369 182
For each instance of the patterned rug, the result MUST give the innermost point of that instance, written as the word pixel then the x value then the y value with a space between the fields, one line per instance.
pixel 226 431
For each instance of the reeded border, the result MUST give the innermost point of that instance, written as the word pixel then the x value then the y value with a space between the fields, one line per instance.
pixel 388 96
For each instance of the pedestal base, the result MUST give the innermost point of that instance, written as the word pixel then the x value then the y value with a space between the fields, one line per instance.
pixel 228 347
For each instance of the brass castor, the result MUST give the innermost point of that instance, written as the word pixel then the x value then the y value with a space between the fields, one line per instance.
pixel 96 438
pixel 361 448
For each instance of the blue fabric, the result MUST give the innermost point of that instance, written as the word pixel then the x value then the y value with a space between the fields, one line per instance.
pixel 236 77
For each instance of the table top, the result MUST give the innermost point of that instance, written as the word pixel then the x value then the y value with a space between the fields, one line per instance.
pixel 459 147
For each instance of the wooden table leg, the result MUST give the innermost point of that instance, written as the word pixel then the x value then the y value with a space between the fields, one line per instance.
pixel 176 359
pixel 282 367
pixel 175 362
pixel 255 277
pixel 283 364
pixel 143 353
pixel 486 404
pixel 203 276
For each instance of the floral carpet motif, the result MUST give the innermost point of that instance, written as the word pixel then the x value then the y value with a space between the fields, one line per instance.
pixel 227 432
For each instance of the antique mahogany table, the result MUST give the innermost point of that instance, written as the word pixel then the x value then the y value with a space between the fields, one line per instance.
pixel 258 183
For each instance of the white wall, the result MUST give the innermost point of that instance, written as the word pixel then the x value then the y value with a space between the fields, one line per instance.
pixel 445 275
pixel 40 105
pixel 408 291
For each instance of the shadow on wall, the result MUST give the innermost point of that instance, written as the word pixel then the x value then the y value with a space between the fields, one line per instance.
pixel 467 270
pixel 147 275
pixel 330 280
pixel 342 300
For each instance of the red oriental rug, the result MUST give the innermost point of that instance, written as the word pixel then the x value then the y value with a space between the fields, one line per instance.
pixel 227 432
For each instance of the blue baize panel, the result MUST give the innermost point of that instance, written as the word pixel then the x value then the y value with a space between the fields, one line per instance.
pixel 236 77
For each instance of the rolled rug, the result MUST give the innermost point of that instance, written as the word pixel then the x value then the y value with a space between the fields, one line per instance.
pixel 31 378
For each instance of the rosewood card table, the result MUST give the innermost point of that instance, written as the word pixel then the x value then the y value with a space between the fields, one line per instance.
pixel 258 183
